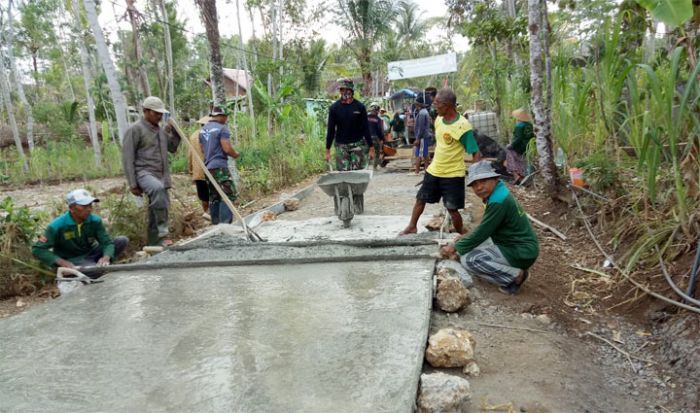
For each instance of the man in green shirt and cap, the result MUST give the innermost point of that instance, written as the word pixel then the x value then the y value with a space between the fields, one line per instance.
pixel 503 247
pixel 78 237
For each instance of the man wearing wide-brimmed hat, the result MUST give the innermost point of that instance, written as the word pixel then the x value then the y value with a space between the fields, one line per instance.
pixel 348 130
pixel 515 152
pixel 215 140
pixel 145 161
pixel 78 237
pixel 198 176
pixel 503 247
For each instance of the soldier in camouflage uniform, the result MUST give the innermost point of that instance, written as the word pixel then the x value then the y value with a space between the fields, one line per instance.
pixel 348 127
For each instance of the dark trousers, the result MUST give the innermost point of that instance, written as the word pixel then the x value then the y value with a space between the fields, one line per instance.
pixel 95 254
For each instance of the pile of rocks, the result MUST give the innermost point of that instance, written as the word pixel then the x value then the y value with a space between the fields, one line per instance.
pixel 449 348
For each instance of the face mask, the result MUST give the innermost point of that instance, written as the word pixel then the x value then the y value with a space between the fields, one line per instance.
pixel 346 95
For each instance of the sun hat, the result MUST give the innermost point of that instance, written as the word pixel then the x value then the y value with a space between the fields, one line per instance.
pixel 80 197
pixel 522 115
pixel 155 104
pixel 204 120
pixel 382 110
pixel 373 106
pixel 481 170
pixel 218 111
pixel 345 83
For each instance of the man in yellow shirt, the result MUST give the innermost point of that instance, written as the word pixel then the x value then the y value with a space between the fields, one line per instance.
pixel 444 178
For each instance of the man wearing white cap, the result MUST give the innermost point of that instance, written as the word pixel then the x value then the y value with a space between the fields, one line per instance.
pixel 145 162
pixel 503 247
pixel 78 237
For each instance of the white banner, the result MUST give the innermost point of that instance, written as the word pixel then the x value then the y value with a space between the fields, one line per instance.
pixel 433 65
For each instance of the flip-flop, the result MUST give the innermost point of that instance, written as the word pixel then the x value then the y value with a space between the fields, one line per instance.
pixel 513 288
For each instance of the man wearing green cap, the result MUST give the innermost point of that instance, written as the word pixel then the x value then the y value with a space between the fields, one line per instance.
pixel 503 247
pixel 145 161
pixel 349 129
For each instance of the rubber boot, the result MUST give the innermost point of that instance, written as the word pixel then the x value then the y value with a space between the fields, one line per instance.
pixel 161 220
pixel 214 208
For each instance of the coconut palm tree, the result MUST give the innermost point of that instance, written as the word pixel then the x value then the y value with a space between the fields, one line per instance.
pixel 365 21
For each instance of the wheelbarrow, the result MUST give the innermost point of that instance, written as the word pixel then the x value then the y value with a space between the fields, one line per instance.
pixel 347 189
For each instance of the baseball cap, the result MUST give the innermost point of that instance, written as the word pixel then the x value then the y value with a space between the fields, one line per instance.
pixel 155 104
pixel 80 197
pixel 345 83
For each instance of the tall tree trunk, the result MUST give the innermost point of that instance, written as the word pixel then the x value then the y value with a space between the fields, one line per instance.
pixel 249 88
pixel 253 39
pixel 280 55
pixel 134 17
pixel 7 100
pixel 108 66
pixel 87 81
pixel 168 57
pixel 207 10
pixel 366 70
pixel 18 79
pixel 539 104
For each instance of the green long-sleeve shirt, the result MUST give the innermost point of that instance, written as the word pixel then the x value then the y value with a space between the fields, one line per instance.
pixel 64 238
pixel 507 225
pixel 521 136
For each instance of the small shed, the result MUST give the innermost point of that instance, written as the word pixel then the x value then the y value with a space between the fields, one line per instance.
pixel 237 83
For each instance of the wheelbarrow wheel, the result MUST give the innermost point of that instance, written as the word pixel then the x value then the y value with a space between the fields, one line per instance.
pixel 345 211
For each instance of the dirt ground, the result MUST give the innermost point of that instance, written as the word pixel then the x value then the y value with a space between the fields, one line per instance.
pixel 545 349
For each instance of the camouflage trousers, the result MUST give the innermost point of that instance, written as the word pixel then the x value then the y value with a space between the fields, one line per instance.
pixel 378 143
pixel 219 212
pixel 351 156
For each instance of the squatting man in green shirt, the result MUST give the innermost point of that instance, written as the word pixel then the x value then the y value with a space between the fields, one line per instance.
pixel 503 247
pixel 78 237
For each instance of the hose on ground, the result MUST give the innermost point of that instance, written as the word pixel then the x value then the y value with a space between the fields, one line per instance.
pixel 624 273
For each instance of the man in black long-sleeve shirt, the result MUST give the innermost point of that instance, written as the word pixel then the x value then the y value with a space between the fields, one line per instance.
pixel 349 128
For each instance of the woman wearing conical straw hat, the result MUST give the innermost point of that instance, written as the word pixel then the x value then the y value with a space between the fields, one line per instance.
pixel 515 152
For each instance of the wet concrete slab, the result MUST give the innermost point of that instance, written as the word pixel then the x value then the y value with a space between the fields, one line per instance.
pixel 296 338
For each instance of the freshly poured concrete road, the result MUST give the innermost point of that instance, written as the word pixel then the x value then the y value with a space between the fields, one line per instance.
pixel 295 338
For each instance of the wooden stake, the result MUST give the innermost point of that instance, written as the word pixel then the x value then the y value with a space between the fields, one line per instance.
pixel 547 227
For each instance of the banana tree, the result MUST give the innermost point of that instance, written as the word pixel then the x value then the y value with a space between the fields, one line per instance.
pixel 276 105
pixel 672 13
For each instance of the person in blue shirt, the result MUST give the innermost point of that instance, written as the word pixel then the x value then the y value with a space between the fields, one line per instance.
pixel 215 139
pixel 78 237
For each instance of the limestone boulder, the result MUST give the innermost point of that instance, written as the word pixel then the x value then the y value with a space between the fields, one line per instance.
pixel 447 268
pixel 443 393
pixel 451 294
pixel 291 204
pixel 450 348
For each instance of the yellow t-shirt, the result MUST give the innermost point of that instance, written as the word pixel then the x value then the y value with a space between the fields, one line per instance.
pixel 448 161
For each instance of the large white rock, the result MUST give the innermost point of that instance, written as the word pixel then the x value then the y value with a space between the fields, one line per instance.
pixel 451 295
pixel 450 348
pixel 443 393
pixel 455 269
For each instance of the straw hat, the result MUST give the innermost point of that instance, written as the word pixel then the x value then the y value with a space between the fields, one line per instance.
pixel 204 120
pixel 522 115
